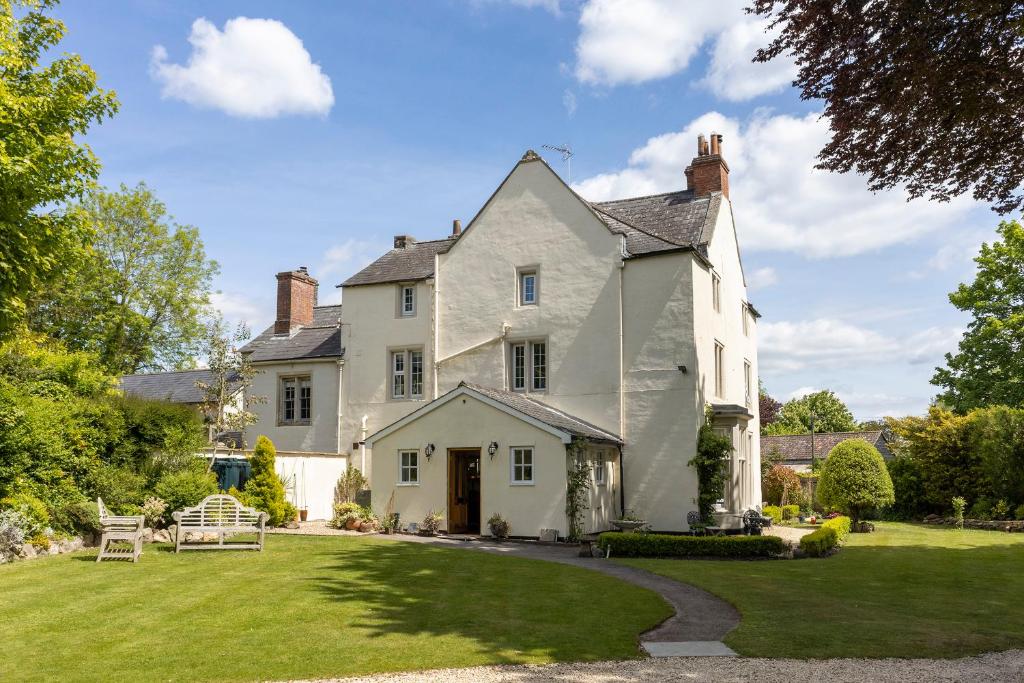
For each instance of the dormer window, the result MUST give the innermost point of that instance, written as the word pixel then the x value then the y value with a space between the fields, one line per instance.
pixel 529 290
pixel 407 301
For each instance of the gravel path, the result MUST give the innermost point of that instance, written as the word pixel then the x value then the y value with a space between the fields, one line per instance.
pixel 787 533
pixel 1002 667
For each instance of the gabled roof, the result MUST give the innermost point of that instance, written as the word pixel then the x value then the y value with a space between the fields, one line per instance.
pixel 176 387
pixel 320 339
pixel 540 415
pixel 796 448
pixel 659 223
pixel 413 262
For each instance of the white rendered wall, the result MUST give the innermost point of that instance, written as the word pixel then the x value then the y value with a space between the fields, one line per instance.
pixel 321 434
pixel 311 481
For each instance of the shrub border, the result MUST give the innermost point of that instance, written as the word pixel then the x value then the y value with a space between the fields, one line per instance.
pixel 830 536
pixel 667 545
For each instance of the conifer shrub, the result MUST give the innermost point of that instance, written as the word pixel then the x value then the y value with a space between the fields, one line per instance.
pixel 264 490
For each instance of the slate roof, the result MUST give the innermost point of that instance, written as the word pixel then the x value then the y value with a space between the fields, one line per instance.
pixel 544 413
pixel 176 387
pixel 796 448
pixel 320 339
pixel 414 262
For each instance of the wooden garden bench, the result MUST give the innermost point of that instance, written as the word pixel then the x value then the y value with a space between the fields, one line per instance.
pixel 219 514
pixel 116 531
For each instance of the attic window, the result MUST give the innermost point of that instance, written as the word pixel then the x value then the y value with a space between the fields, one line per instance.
pixel 406 301
pixel 529 286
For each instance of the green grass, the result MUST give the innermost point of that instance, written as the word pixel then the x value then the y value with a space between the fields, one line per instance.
pixel 305 608
pixel 903 591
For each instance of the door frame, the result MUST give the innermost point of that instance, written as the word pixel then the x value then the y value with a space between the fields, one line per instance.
pixel 454 455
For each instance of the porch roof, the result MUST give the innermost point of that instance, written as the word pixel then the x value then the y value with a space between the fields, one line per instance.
pixel 541 415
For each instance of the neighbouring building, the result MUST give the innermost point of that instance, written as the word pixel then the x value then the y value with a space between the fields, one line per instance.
pixel 467 375
pixel 794 450
pixel 182 386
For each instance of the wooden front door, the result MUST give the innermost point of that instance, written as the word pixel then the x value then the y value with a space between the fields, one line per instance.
pixel 464 491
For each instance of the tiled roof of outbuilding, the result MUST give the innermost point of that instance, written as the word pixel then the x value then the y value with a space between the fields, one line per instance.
pixel 176 387
pixel 320 339
pixel 796 448
pixel 544 413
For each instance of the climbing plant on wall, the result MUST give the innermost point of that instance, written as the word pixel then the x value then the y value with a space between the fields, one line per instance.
pixel 578 484
pixel 711 463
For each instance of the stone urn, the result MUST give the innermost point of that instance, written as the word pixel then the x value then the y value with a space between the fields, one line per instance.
pixel 628 524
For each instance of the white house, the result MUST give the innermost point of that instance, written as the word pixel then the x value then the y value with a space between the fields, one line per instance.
pixel 467 374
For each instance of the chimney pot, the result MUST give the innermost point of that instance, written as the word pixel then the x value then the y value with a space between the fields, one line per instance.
pixel 708 171
pixel 456 227
pixel 296 298
pixel 701 145
pixel 716 139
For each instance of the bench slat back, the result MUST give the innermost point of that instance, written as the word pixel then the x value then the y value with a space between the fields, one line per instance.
pixel 220 510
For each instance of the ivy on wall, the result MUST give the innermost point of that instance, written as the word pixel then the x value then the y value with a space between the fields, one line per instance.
pixel 711 463
pixel 578 484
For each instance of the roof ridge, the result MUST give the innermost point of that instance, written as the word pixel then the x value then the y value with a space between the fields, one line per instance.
pixel 165 372
pixel 527 397
pixel 865 431
pixel 650 196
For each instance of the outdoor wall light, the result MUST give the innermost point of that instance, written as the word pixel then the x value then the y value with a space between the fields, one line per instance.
pixel 492 448
pixel 428 450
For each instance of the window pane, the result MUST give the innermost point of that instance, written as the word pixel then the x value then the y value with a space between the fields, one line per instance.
pixel 528 287
pixel 519 366
pixel 288 400
pixel 398 374
pixel 408 300
pixel 416 373
pixel 540 374
pixel 305 400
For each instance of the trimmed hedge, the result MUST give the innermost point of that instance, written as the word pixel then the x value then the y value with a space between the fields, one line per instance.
pixel 790 511
pixel 831 535
pixel 773 511
pixel 665 545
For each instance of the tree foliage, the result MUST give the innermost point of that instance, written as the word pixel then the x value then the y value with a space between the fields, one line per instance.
pixel 264 490
pixel 926 94
pixel 768 408
pixel 781 485
pixel 988 368
pixel 854 479
pixel 45 100
pixel 830 415
pixel 138 296
pixel 232 373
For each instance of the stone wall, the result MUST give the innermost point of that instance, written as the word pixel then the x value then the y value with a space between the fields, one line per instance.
pixel 1013 526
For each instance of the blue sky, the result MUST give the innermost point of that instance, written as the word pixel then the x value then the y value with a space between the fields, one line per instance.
pixel 312 138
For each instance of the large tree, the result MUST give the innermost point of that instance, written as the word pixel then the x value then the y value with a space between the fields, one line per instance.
pixel 140 295
pixel 42 107
pixel 923 93
pixel 988 369
pixel 828 412
pixel 768 407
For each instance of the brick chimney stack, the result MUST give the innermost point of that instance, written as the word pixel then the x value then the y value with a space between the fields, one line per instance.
pixel 296 297
pixel 708 171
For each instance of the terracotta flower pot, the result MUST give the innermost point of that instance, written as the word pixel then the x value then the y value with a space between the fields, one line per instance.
pixel 351 524
pixel 303 514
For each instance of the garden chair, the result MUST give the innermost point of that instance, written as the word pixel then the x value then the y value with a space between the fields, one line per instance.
pixel 118 530
pixel 696 524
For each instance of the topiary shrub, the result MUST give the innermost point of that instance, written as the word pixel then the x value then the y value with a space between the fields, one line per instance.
pixel 854 479
pixel 264 490
pixel 781 480
pixel 185 489
pixel 831 535
pixel 665 545
pixel 790 512
pixel 773 511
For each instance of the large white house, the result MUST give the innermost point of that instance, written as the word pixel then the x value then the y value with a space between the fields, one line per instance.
pixel 465 375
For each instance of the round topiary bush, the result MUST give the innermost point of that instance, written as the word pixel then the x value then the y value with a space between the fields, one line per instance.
pixel 854 478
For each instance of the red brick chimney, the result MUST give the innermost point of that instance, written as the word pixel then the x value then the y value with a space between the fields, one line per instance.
pixel 296 297
pixel 708 171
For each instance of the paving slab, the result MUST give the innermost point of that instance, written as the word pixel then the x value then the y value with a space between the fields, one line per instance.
pixel 691 648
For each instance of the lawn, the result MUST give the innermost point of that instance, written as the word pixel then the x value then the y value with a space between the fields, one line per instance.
pixel 903 591
pixel 307 607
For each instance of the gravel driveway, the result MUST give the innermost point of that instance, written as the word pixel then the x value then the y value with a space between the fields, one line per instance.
pixel 1002 666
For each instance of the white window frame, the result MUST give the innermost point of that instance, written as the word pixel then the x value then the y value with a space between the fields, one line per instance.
pixel 719 369
pixel 300 382
pixel 745 314
pixel 409 473
pixel 521 275
pixel 748 382
pixel 515 451
pixel 529 349
pixel 716 292
pixel 405 307
pixel 405 373
pixel 599 470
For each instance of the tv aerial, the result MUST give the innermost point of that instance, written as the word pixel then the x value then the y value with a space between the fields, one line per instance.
pixel 566 152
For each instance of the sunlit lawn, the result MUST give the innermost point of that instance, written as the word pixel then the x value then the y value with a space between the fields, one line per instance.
pixel 903 591
pixel 307 607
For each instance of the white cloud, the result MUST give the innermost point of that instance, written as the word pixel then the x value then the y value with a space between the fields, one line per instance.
pixel 343 260
pixel 569 102
pixel 761 278
pixel 254 68
pixel 786 347
pixel 237 307
pixel 633 41
pixel 781 201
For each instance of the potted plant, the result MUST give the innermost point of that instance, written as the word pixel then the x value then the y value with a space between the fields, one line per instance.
pixel 303 514
pixel 499 527
pixel 629 522
pixel 431 523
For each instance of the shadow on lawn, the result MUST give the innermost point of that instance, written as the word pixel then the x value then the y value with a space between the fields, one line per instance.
pixel 506 606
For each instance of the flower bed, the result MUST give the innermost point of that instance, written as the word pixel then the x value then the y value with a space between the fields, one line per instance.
pixel 665 545
pixel 830 536
pixel 989 524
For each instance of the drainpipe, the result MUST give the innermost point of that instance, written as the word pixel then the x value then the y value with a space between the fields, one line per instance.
pixel 362 446
pixel 622 380
pixel 435 314
pixel 622 486
pixel 341 375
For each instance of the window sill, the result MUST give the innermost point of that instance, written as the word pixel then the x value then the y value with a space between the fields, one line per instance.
pixel 521 483
pixel 295 424
pixel 407 483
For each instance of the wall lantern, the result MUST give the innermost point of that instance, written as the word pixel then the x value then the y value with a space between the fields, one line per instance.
pixel 428 450
pixel 492 448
